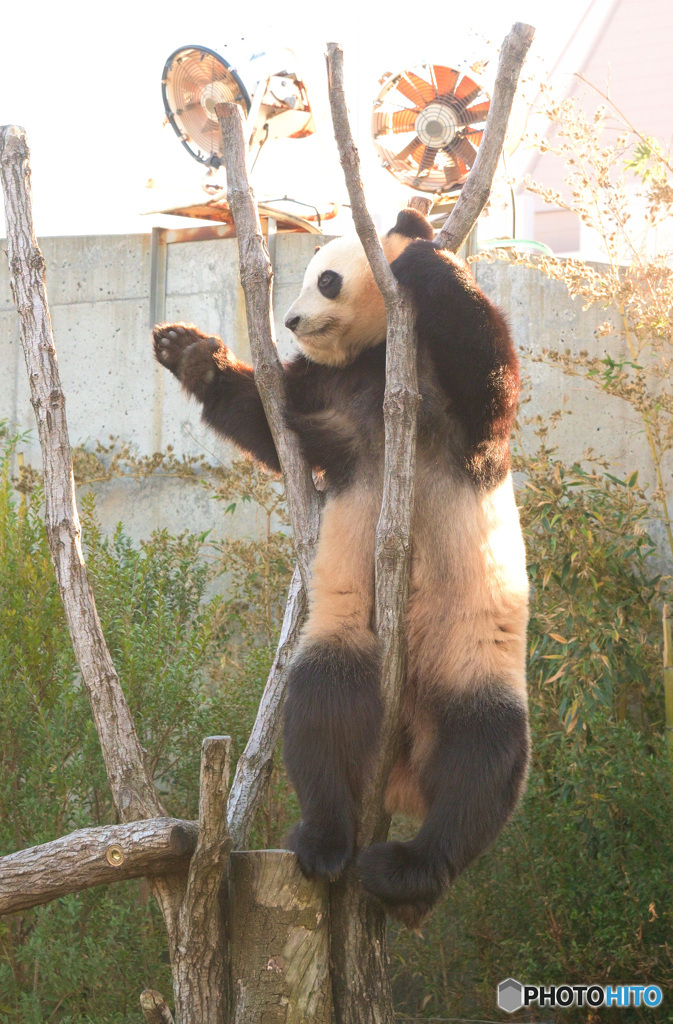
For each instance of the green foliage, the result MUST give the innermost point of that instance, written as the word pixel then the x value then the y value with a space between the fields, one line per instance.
pixel 595 628
pixel 87 956
pixel 577 889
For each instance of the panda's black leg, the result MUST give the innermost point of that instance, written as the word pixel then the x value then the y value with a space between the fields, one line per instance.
pixel 332 722
pixel 471 782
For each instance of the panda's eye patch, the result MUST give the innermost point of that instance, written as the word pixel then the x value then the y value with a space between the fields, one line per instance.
pixel 329 284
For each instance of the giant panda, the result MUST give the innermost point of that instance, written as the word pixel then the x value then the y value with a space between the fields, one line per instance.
pixel 464 744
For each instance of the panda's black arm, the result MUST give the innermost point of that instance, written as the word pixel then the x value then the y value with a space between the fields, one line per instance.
pixel 471 349
pixel 223 385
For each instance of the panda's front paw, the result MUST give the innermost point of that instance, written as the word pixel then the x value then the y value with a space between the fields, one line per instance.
pixel 323 851
pixel 172 340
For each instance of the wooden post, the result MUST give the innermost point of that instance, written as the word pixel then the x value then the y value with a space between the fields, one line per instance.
pixel 278 930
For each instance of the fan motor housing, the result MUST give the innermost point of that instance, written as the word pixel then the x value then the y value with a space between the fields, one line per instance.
pixel 437 124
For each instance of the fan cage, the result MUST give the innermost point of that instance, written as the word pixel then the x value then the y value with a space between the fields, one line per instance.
pixel 427 125
pixel 193 80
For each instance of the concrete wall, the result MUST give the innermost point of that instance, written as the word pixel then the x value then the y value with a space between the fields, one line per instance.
pixel 99 298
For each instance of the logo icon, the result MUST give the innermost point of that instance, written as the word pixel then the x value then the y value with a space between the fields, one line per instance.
pixel 510 995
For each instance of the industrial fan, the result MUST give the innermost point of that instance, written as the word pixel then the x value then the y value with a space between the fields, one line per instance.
pixel 266 86
pixel 427 124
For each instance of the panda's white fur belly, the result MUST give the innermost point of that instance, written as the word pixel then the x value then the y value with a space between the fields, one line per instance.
pixel 468 605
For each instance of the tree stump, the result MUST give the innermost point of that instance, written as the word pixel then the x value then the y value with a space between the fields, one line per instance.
pixel 279 941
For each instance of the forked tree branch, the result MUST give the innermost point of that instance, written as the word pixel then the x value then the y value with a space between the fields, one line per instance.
pixel 360 983
pixel 393 532
pixel 358 950
pixel 476 191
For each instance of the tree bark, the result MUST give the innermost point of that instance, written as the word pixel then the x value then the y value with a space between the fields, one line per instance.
pixel 154 1008
pixel 132 789
pixel 476 191
pixel 279 941
pixel 200 962
pixel 254 768
pixel 255 763
pixel 94 856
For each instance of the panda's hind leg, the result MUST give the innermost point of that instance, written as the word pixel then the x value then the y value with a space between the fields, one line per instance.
pixel 332 723
pixel 471 781
pixel 333 707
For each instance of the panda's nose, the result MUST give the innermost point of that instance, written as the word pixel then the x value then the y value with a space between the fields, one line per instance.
pixel 291 322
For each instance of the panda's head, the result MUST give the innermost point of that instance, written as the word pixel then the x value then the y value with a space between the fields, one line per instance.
pixel 340 310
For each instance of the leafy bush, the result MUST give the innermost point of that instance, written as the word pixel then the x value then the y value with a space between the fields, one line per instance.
pixel 577 889
pixel 87 956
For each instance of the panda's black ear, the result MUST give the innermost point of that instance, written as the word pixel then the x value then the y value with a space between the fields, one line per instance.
pixel 412 224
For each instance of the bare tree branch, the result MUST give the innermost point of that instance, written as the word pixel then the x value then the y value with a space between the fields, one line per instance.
pixel 198 999
pixel 255 763
pixel 210 857
pixel 199 964
pixel 477 189
pixel 94 856
pixel 132 789
pixel 257 281
pixel 393 532
pixel 254 767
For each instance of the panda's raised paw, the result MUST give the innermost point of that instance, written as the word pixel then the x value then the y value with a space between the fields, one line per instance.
pixel 172 340
pixel 322 852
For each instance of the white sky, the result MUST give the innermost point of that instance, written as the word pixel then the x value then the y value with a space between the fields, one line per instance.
pixel 84 80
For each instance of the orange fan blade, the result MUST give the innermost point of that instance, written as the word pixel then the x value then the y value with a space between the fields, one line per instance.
pixel 478 113
pixel 428 159
pixel 409 91
pixel 383 123
pixel 463 150
pixel 409 150
pixel 446 79
pixel 424 88
pixel 465 87
pixel 404 120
